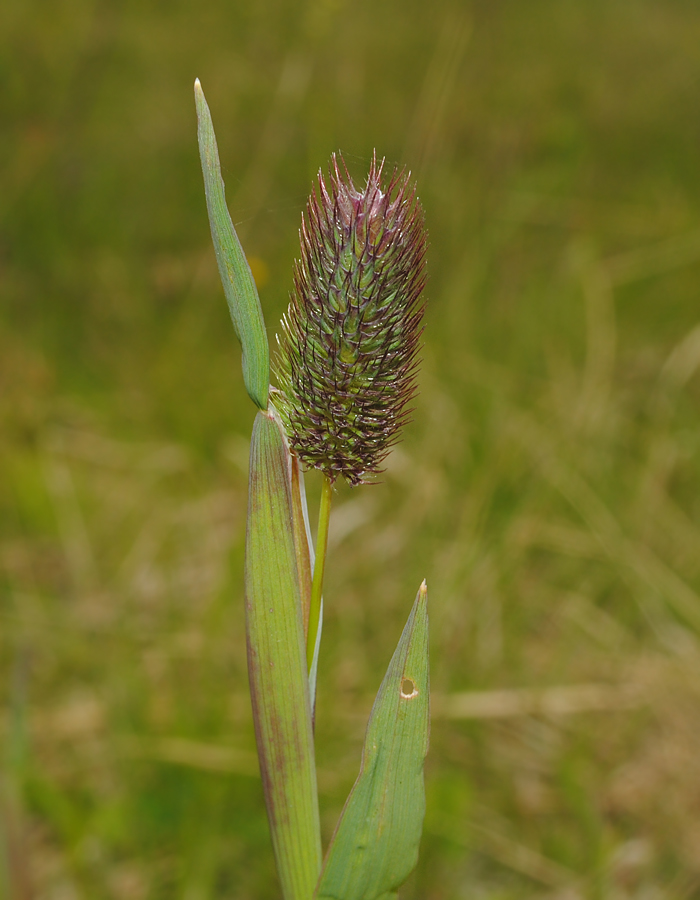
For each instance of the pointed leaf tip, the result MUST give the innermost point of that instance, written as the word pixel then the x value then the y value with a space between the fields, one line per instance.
pixel 375 845
pixel 236 277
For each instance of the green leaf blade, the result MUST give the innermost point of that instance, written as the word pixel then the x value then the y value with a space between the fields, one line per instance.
pixel 375 846
pixel 277 664
pixel 236 277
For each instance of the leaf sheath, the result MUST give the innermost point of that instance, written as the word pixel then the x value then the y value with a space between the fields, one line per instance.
pixel 276 664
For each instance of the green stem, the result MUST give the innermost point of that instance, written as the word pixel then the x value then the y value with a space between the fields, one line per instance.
pixel 324 515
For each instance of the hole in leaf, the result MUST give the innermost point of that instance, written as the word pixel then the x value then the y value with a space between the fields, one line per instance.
pixel 408 688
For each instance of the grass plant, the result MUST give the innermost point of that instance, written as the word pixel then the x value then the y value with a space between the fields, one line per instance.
pixel 555 145
pixel 347 369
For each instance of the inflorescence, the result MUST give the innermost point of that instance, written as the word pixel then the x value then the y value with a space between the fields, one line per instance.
pixel 348 346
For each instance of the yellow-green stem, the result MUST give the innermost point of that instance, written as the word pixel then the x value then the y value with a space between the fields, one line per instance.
pixel 324 515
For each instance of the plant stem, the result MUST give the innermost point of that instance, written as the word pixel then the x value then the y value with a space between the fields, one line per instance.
pixel 324 515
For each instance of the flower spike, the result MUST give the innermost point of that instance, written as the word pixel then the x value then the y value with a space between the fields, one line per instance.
pixel 348 346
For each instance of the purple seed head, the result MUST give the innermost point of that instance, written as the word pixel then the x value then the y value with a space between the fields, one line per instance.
pixel 348 345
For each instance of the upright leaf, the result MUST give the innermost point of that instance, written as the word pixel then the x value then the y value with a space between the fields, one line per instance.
pixel 236 277
pixel 375 845
pixel 277 664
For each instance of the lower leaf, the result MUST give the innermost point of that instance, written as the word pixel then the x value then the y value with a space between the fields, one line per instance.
pixel 375 845
pixel 279 684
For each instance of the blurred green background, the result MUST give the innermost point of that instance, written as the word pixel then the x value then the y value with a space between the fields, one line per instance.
pixel 548 487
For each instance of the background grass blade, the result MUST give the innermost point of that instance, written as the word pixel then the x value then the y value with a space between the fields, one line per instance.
pixel 277 665
pixel 236 277
pixel 375 846
pixel 15 857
